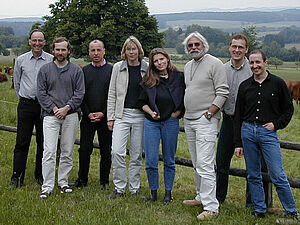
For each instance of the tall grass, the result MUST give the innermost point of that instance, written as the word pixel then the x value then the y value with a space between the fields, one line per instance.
pixel 90 205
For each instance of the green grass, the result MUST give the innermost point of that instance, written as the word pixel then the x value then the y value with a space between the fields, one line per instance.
pixel 90 205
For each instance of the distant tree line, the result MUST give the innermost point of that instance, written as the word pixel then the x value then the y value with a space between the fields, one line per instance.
pixel 272 45
pixel 8 40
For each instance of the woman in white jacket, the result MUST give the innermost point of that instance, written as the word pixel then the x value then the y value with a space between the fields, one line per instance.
pixel 125 118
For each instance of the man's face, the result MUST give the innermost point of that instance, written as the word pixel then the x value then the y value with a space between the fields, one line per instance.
pixel 238 49
pixel 96 51
pixel 257 64
pixel 37 42
pixel 195 48
pixel 61 51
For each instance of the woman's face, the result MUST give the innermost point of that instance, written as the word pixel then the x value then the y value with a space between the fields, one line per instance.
pixel 132 52
pixel 160 62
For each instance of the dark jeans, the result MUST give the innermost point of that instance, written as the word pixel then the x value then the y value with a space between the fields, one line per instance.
pixel 225 152
pixel 28 116
pixel 87 133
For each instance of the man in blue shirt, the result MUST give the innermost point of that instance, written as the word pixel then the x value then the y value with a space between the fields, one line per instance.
pixel 29 110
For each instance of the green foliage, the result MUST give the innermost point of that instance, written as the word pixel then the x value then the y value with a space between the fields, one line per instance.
pixel 275 61
pixel 251 34
pixel 81 21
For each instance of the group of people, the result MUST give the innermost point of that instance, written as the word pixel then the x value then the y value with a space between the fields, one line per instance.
pixel 144 101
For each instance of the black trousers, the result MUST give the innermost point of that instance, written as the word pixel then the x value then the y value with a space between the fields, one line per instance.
pixel 29 115
pixel 225 151
pixel 87 133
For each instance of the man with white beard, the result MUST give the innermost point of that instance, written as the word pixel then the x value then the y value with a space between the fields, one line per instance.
pixel 206 92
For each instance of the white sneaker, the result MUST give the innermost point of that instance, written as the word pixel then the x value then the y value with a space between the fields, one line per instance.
pixel 207 215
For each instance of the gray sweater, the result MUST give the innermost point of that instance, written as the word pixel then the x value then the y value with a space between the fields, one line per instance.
pixel 206 84
pixel 60 87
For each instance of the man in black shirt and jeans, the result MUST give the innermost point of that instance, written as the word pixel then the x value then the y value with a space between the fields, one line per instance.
pixel 97 77
pixel 263 106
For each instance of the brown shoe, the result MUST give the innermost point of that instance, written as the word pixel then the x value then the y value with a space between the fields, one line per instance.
pixel 207 215
pixel 193 202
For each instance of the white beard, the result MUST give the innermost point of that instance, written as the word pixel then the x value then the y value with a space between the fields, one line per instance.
pixel 196 55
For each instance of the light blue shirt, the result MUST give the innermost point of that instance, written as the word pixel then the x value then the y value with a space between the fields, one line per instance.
pixel 25 73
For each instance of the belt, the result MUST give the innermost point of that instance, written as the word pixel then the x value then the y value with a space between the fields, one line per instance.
pixel 226 116
pixel 28 100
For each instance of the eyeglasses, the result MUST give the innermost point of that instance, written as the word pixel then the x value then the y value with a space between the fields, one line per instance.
pixel 197 44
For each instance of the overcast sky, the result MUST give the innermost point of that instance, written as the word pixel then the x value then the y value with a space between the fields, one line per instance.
pixel 26 8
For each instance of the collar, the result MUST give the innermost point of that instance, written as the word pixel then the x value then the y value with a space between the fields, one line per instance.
pixel 200 60
pixel 101 64
pixel 42 56
pixel 124 65
pixel 267 78
pixel 241 67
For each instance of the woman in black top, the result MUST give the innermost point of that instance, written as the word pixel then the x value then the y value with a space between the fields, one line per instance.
pixel 162 101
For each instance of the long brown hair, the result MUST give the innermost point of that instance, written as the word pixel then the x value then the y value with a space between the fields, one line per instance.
pixel 152 76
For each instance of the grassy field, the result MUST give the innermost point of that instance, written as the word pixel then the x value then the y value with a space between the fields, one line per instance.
pixel 90 205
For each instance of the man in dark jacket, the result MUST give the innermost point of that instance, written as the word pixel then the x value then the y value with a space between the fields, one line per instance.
pixel 263 106
pixel 97 77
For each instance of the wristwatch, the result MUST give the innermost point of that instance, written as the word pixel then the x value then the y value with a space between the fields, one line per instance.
pixel 209 115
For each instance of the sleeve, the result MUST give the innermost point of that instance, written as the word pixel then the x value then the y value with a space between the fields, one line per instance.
pixel 17 76
pixel 220 84
pixel 84 106
pixel 42 91
pixel 238 114
pixel 79 90
pixel 111 99
pixel 104 111
pixel 286 106
pixel 143 98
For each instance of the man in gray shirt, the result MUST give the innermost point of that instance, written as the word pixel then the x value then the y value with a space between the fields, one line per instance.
pixel 25 74
pixel 237 70
pixel 60 91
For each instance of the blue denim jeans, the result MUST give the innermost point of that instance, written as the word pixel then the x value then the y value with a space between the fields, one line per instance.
pixel 257 138
pixel 167 131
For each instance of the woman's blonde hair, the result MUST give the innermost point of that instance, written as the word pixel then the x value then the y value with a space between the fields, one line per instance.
pixel 129 41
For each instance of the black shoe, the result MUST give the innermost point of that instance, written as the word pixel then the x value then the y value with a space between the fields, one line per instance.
pixel 104 187
pixel 168 197
pixel 115 195
pixel 152 197
pixel 294 215
pixel 14 183
pixel 40 180
pixel 78 183
pixel 258 215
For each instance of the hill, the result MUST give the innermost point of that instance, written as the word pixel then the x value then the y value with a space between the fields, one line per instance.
pixel 231 19
pixel 20 25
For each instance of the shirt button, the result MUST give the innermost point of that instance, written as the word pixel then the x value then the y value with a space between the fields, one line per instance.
pixel 256 117
pixel 260 85
pixel 258 102
pixel 258 93
pixel 257 110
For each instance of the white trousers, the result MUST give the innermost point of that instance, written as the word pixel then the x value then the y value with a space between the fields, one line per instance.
pixel 201 135
pixel 51 128
pixel 132 123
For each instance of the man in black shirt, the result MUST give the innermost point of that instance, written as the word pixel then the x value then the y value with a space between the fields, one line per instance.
pixel 97 77
pixel 263 106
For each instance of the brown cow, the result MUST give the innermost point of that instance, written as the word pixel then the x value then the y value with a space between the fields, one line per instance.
pixel 3 77
pixel 294 87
